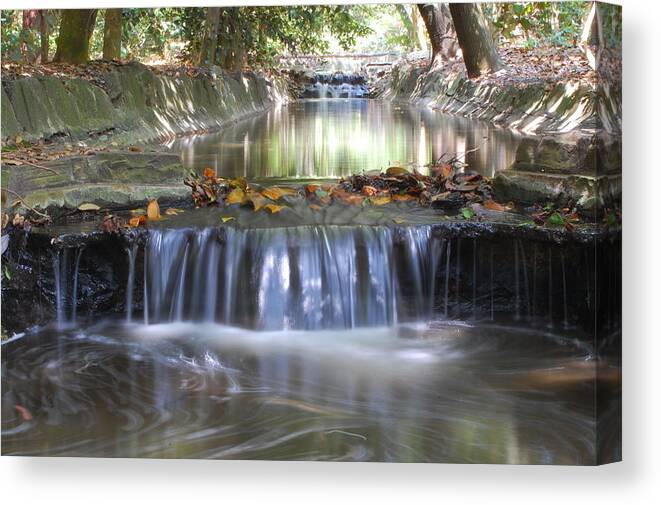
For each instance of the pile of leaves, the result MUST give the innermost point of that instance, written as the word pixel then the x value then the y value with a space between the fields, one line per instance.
pixel 449 186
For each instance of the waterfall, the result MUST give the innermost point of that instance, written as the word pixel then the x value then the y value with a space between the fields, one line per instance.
pixel 310 277
pixel 61 274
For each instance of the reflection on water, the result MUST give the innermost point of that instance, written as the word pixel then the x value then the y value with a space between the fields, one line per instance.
pixel 445 393
pixel 332 138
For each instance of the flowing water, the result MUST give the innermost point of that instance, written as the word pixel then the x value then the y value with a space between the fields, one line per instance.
pixel 361 343
pixel 336 137
pixel 321 336
pixel 442 393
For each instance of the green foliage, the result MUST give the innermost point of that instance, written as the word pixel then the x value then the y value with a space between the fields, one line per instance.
pixel 535 23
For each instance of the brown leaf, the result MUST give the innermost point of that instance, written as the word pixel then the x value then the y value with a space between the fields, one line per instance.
pixel 276 192
pixel 171 211
pixel 369 191
pixel 236 196
pixel 492 205
pixel 273 208
pixel 136 221
pixel 403 198
pixel 153 210
pixel 380 200
pixel 396 171
pixel 209 173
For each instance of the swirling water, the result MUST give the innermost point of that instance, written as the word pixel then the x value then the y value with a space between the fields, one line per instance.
pixel 441 392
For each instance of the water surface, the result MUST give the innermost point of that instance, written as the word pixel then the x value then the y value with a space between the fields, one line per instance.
pixel 445 392
pixel 330 138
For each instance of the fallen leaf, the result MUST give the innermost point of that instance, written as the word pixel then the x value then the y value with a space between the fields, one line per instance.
pixel 209 173
pixel 136 221
pixel 236 196
pixel 369 191
pixel 467 213
pixel 492 205
pixel 403 198
pixel 153 210
pixel 555 219
pixel 273 208
pixel 88 206
pixel 226 219
pixel 276 192
pixel 135 149
pixel 399 220
pixel 25 413
pixel 380 200
pixel 315 207
pixel 396 171
pixel 171 211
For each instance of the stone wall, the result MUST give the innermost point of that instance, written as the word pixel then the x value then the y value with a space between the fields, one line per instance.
pixel 132 105
pixel 135 103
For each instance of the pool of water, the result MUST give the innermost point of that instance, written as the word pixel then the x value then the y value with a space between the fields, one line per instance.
pixel 317 139
pixel 437 392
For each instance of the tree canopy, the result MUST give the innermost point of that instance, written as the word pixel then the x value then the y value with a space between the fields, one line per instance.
pixel 255 36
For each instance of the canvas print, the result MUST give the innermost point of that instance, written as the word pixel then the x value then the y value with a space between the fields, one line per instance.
pixel 361 232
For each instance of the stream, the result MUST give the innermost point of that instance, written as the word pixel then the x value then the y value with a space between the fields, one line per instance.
pixel 338 338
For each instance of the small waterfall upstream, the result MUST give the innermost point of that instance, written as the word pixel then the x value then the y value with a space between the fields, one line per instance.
pixel 337 85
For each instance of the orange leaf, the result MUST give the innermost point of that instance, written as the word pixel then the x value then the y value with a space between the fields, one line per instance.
pixel 153 210
pixel 273 208
pixel 209 173
pixel 369 191
pixel 236 196
pixel 276 192
pixel 136 221
pixel 403 198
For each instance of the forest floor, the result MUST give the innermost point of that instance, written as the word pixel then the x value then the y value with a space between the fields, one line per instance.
pixel 525 67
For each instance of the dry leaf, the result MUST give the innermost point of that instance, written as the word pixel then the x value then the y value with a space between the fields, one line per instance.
pixel 273 208
pixel 226 219
pixel 236 196
pixel 153 210
pixel 136 221
pixel 403 198
pixel 276 192
pixel 209 173
pixel 396 171
pixel 380 200
pixel 171 211
pixel 88 206
pixel 315 207
pixel 369 191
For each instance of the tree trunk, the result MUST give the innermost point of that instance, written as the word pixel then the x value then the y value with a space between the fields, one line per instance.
pixel 44 34
pixel 408 24
pixel 112 35
pixel 432 19
pixel 209 45
pixel 477 46
pixel 76 28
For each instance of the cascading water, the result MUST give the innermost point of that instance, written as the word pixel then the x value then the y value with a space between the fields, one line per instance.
pixel 311 277
pixel 338 85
